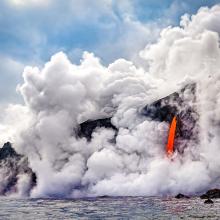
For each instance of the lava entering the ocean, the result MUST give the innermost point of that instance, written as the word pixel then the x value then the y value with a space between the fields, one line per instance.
pixel 171 137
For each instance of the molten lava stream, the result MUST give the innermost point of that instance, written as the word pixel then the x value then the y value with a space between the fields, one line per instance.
pixel 171 137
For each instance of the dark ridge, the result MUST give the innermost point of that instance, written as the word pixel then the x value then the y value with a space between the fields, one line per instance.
pixel 161 110
pixel 182 105
pixel 176 103
pixel 12 164
pixel 211 194
pixel 88 127
pixel 7 151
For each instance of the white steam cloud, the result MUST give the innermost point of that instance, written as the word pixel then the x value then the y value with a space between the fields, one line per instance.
pixel 62 95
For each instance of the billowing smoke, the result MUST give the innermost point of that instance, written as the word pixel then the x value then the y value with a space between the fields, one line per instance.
pixel 128 158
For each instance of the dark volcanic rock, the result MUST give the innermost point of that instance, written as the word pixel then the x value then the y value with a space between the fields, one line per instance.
pixel 7 151
pixel 88 127
pixel 204 196
pixel 162 110
pixel 177 103
pixel 182 105
pixel 208 201
pixel 211 194
pixel 181 196
pixel 13 164
pixel 104 197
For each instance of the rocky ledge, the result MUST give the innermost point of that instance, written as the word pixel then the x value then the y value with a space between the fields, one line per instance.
pixel 181 196
pixel 12 165
pixel 211 194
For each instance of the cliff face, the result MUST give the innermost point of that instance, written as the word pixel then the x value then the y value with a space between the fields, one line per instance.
pixel 180 104
pixel 11 166
pixel 183 105
pixel 8 152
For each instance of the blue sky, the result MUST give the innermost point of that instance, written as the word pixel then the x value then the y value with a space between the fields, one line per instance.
pixel 33 30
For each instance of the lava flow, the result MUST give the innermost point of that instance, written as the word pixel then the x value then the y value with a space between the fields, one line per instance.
pixel 171 137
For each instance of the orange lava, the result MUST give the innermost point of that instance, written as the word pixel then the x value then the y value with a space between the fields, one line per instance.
pixel 171 137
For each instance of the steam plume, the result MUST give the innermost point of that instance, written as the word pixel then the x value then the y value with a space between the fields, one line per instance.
pixel 62 95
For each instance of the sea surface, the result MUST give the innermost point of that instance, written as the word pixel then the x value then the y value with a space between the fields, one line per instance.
pixel 108 208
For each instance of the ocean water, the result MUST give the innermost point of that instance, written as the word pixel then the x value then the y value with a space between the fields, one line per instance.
pixel 108 208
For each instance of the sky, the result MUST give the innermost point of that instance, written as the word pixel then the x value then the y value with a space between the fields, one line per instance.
pixel 31 31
